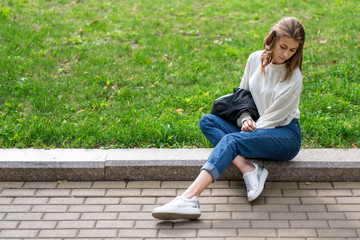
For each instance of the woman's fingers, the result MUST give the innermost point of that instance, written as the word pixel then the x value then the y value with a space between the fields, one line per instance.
pixel 252 125
pixel 248 126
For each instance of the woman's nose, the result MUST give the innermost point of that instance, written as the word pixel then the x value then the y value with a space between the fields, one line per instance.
pixel 285 54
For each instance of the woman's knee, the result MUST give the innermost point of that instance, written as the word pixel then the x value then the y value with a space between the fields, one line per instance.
pixel 229 141
pixel 205 121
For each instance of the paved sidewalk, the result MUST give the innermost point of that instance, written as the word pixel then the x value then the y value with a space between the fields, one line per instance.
pixel 120 210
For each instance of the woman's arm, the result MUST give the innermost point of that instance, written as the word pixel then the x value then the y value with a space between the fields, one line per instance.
pixel 285 103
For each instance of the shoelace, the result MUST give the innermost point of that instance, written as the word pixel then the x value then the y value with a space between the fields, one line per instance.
pixel 250 181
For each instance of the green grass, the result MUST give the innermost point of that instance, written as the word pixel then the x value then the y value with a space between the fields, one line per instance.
pixel 122 74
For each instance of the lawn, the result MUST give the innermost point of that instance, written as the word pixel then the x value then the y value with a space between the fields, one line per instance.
pixel 124 74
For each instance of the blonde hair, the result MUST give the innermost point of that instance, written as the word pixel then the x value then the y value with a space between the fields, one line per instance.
pixel 289 27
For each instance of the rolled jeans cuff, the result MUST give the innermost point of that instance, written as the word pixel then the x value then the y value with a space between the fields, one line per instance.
pixel 212 170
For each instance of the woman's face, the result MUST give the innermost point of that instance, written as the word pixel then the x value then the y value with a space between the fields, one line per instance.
pixel 284 48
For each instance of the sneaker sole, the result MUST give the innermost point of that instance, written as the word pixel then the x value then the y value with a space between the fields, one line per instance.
pixel 173 216
pixel 263 177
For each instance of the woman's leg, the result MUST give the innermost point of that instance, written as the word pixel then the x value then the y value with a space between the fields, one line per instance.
pixel 199 185
pixel 204 179
pixel 242 164
pixel 215 128
pixel 282 144
pixel 187 205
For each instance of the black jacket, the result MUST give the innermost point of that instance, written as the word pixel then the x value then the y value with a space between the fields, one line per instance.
pixel 230 107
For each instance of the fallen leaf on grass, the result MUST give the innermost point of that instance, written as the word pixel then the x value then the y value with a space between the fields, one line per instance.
pixel 166 57
pixel 180 111
pixel 94 22
pixel 134 45
pixel 323 41
pixel 200 110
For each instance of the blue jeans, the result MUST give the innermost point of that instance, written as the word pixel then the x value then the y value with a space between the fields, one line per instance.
pixel 281 143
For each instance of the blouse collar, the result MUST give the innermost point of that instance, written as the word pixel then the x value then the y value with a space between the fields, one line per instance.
pixel 277 66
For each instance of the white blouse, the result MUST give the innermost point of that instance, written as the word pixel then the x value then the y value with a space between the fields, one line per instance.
pixel 277 102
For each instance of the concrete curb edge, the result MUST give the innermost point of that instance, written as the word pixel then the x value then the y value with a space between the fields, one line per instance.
pixel 165 165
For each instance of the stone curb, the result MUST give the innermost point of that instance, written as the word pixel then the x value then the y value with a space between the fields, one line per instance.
pixel 165 165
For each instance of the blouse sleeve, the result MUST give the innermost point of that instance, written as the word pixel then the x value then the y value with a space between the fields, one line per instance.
pixel 242 118
pixel 245 85
pixel 285 103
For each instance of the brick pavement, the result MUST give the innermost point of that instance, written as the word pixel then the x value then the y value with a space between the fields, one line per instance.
pixel 120 210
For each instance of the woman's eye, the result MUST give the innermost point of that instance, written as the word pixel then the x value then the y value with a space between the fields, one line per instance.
pixel 283 47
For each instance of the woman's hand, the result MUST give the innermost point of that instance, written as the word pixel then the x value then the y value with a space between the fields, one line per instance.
pixel 248 126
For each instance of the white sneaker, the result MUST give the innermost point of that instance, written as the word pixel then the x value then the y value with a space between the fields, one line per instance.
pixel 179 208
pixel 255 181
